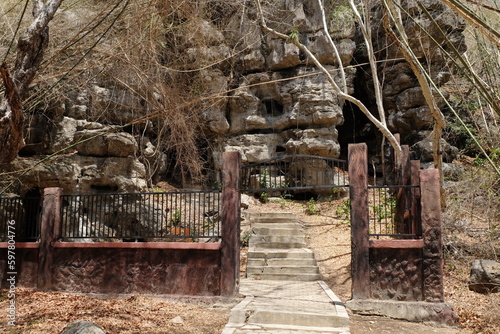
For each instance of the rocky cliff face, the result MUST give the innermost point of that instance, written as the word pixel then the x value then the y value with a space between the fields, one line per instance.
pixel 277 102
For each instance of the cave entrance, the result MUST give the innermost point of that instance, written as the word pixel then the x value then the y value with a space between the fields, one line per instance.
pixel 357 128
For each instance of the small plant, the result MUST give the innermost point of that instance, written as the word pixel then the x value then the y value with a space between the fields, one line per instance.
pixel 245 238
pixel 344 212
pixel 263 180
pixel 176 219
pixel 284 200
pixel 294 35
pixel 479 161
pixel 311 208
pixel 386 209
pixel 264 198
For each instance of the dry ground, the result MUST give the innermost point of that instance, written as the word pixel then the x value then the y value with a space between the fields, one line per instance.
pixel 328 235
pixel 43 312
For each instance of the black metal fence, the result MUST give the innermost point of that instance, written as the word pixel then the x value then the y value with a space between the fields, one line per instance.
pixel 167 216
pixel 22 214
pixel 294 172
pixel 393 212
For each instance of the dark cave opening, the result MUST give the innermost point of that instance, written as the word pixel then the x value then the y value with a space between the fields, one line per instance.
pixel 357 128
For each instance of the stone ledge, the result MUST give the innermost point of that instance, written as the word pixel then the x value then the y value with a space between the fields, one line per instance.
pixel 21 245
pixel 142 245
pixel 441 313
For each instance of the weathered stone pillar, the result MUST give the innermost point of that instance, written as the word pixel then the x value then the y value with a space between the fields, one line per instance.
pixel 431 231
pixel 230 215
pixel 358 193
pixel 49 232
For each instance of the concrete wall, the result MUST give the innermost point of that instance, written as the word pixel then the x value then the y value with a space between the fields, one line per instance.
pixel 166 268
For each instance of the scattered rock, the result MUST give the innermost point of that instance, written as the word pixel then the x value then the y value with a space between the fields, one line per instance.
pixel 177 320
pixel 83 327
pixel 485 276
pixel 247 201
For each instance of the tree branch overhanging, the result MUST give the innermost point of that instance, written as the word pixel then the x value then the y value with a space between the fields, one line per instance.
pixel 382 127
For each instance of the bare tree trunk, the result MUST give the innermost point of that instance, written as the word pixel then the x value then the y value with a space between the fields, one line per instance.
pixel 401 41
pixel 30 50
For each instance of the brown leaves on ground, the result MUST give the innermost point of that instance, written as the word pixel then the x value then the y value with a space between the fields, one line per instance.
pixel 51 312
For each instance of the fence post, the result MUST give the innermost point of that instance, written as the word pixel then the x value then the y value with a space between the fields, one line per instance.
pixel 416 227
pixel 358 193
pixel 49 232
pixel 431 231
pixel 403 178
pixel 230 217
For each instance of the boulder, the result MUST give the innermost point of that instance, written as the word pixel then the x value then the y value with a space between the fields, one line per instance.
pixel 254 148
pixel 485 276
pixel 322 142
pixel 247 201
pixel 82 327
pixel 98 144
pixel 423 149
pixel 83 174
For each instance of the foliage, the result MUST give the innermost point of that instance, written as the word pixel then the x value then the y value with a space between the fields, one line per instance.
pixel 294 34
pixel 263 181
pixel 311 208
pixel 245 238
pixel 385 208
pixel 343 211
pixel 263 197
pixel 175 219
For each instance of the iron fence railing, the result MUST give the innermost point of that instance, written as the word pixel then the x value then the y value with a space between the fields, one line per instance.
pixel 294 172
pixel 167 216
pixel 23 215
pixel 393 212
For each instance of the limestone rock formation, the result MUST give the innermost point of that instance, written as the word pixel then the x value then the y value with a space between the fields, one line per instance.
pixel 266 97
pixel 408 113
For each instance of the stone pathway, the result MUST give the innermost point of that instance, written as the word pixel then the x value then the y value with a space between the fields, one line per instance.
pixel 283 293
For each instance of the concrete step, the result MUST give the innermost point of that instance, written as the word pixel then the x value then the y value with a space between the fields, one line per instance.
pixel 282 270
pixel 280 245
pixel 297 318
pixel 261 229
pixel 271 216
pixel 296 253
pixel 285 277
pixel 285 329
pixel 281 262
pixel 257 239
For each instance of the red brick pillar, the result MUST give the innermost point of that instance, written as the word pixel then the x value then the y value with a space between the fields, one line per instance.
pixel 230 215
pixel 358 193
pixel 431 231
pixel 49 232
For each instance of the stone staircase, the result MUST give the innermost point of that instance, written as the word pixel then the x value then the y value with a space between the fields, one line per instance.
pixel 283 290
pixel 277 249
